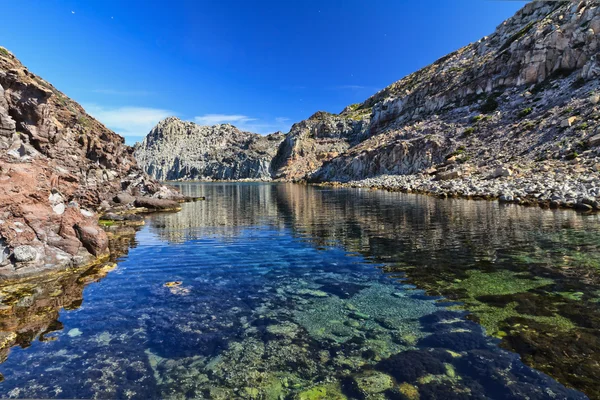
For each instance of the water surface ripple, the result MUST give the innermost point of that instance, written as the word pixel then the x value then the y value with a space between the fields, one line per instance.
pixel 280 291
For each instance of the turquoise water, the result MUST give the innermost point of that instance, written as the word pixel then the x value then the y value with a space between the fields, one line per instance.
pixel 274 291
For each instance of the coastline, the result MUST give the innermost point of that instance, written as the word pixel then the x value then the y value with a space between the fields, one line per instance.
pixel 558 185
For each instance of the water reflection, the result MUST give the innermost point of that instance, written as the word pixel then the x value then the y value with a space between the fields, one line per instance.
pixel 530 276
pixel 281 297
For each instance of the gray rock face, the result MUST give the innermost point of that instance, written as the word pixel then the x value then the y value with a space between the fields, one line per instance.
pixel 526 94
pixel 176 150
pixel 24 253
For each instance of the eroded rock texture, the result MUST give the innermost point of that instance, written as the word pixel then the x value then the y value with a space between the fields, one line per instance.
pixel 57 166
pixel 175 149
pixel 527 93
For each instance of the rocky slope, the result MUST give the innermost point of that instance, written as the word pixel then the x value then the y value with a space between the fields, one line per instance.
pixel 522 102
pixel 58 167
pixel 175 150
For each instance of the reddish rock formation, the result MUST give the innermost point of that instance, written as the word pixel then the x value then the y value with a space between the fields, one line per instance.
pixel 58 165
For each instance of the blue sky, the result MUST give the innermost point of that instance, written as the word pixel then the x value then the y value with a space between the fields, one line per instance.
pixel 260 65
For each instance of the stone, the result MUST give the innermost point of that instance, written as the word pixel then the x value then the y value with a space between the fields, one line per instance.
pixel 156 204
pixel 372 382
pixel 583 207
pixel 93 238
pixel 594 140
pixel 444 176
pixel 501 172
pixel 568 122
pixel 25 253
pixel 124 198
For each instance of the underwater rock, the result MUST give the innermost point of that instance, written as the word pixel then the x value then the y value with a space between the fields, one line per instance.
pixel 456 341
pixel 311 292
pixel 74 332
pixel 285 329
pixel 329 391
pixel 408 366
pixel 408 391
pixel 371 382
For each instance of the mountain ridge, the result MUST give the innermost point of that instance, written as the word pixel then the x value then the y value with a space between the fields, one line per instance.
pixel 523 97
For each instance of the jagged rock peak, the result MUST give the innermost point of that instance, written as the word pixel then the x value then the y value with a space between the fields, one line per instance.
pixel 175 150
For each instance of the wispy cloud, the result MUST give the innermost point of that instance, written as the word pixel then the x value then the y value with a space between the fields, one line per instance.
pixel 213 119
pixel 114 92
pixel 128 121
pixel 246 123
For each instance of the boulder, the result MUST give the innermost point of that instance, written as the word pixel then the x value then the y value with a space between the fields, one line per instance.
pixel 594 140
pixel 501 171
pixel 93 238
pixel 445 176
pixel 568 122
pixel 25 253
pixel 156 204
pixel 124 198
pixel 371 383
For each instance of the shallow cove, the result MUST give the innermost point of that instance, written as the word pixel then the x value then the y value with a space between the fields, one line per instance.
pixel 292 291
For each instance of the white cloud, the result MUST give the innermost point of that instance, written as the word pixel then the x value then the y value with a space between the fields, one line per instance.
pixel 128 121
pixel 246 123
pixel 214 119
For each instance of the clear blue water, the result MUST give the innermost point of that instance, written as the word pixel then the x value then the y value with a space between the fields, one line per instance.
pixel 290 292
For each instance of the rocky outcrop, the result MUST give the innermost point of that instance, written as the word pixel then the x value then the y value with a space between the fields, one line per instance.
pixel 312 142
pixel 527 94
pixel 58 168
pixel 178 150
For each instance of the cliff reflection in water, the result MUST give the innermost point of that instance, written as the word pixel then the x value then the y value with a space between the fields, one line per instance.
pixel 30 309
pixel 529 276
pixel 269 303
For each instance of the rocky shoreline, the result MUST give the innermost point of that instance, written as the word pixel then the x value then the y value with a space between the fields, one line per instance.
pixel 549 185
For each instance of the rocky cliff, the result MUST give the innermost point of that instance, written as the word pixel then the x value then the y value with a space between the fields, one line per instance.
pixel 527 95
pixel 178 150
pixel 58 167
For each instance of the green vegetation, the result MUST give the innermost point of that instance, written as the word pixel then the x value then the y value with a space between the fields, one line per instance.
pixel 322 392
pixel 477 118
pixel 4 52
pixel 83 121
pixel 503 284
pixel 106 223
pixel 460 150
pixel 572 156
pixel 60 99
pixel 516 36
pixel 525 112
pixel 529 126
pixel 469 131
pixel 581 127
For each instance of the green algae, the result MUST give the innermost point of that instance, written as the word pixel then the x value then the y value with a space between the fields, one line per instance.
pixel 480 286
pixel 410 392
pixel 480 283
pixel 336 319
pixel 330 391
pixel 373 382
